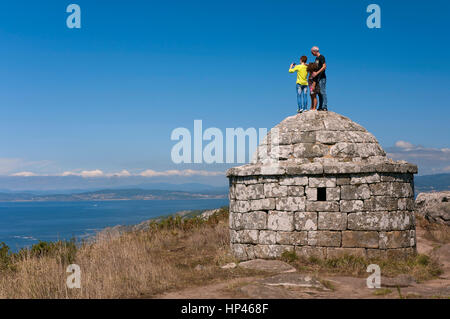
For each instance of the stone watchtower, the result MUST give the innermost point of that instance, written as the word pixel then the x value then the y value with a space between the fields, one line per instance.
pixel 321 185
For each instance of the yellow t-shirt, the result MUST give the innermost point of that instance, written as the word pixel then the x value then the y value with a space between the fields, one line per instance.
pixel 301 74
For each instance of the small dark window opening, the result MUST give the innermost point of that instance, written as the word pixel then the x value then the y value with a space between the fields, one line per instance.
pixel 321 194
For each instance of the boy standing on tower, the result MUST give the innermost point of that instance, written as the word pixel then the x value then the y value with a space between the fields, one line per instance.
pixel 302 83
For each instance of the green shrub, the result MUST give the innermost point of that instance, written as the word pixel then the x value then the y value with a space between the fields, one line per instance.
pixel 289 256
pixel 64 250
pixel 5 256
pixel 190 223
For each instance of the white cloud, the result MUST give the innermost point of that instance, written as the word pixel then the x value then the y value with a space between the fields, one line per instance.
pixel 94 173
pixel 86 174
pixel 186 172
pixel 430 160
pixel 123 173
pixel 404 145
pixel 9 166
pixel 24 174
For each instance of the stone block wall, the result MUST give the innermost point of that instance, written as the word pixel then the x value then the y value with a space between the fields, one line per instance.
pixel 370 215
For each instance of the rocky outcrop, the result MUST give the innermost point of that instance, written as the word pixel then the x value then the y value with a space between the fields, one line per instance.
pixel 435 207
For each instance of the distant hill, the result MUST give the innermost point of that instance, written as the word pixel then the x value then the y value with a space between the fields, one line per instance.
pixel 428 183
pixel 114 194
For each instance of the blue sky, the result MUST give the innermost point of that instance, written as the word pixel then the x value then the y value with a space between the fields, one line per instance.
pixel 107 96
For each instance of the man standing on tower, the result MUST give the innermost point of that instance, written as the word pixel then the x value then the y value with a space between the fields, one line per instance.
pixel 321 78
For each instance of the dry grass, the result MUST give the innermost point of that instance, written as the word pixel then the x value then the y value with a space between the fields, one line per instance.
pixel 173 254
pixel 131 265
pixel 421 267
pixel 382 292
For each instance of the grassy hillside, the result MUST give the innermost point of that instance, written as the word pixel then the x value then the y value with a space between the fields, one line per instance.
pixel 172 254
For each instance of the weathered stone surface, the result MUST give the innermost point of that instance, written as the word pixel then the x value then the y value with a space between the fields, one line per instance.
pixel 369 221
pixel 296 191
pixel 322 206
pixel 267 237
pixel 251 220
pixel 271 251
pixel 229 266
pixel 305 220
pixel 291 203
pixel 276 266
pixel 366 239
pixel 382 189
pixel 394 239
pixel 268 179
pixel 262 204
pixel 332 221
pixel 293 280
pixel 333 194
pixel 311 193
pixel 292 238
pixel 312 238
pixel 401 281
pixel 244 236
pixel 412 238
pixel 328 238
pixel 355 192
pixel 309 168
pixel 303 137
pixel 434 206
pixel 255 191
pixel 381 203
pixel 275 190
pixel 404 178
pixel 343 181
pixel 401 220
pixel 350 206
pixel 240 206
pixel 280 220
pixel 406 204
pixel 294 180
pixel 322 182
pixel 365 179
pixel 243 252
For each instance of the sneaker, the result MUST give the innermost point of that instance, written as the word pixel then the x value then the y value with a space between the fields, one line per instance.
pixel 299 111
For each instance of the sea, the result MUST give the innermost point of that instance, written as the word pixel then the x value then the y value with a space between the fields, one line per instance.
pixel 23 224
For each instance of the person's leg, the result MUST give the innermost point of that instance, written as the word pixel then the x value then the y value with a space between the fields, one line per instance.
pixel 323 94
pixel 299 97
pixel 313 102
pixel 319 96
pixel 305 97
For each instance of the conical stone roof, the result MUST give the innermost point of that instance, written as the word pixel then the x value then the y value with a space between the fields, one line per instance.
pixel 319 142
